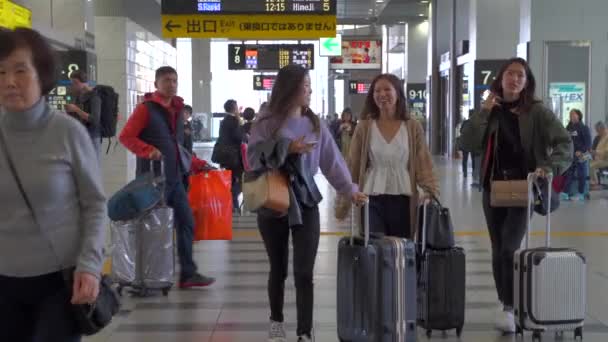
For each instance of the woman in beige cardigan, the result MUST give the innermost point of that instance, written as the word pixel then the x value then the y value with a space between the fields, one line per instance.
pixel 389 160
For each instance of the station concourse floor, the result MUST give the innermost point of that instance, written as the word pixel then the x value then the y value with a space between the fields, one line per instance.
pixel 235 309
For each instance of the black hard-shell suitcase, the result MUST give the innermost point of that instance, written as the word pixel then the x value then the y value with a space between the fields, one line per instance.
pixel 376 288
pixel 441 288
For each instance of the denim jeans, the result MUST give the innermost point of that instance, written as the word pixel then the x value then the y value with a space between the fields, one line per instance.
pixel 184 225
pixel 36 309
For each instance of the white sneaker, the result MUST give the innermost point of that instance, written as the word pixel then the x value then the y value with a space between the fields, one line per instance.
pixel 505 322
pixel 276 332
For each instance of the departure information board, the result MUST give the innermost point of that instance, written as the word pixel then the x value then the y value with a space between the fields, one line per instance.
pixel 300 7
pixel 270 56
pixel 358 87
pixel 263 82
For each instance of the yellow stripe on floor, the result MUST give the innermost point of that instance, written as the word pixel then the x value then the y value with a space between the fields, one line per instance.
pixel 107 266
pixel 255 233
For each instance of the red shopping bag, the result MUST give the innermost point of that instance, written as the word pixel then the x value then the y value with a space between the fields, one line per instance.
pixel 211 202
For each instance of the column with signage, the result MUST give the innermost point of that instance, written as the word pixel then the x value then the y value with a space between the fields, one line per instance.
pixel 70 61
pixel 417 96
pixel 251 19
pixel 485 73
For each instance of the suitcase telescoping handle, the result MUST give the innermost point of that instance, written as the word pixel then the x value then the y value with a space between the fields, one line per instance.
pixel 532 179
pixel 161 180
pixel 365 220
pixel 424 226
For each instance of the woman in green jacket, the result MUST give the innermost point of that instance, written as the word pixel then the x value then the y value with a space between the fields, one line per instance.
pixel 521 136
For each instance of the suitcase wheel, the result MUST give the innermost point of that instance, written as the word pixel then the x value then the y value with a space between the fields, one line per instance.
pixel 166 291
pixel 459 332
pixel 578 332
pixel 537 336
pixel 429 333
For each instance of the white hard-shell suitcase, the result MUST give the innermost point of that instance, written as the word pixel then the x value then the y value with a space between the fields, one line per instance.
pixel 549 284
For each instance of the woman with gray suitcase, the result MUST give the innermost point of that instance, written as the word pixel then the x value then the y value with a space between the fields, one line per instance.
pixel 521 135
pixel 290 138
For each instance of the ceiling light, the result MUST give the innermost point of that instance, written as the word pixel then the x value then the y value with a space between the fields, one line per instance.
pixel 421 15
pixel 424 2
pixel 379 1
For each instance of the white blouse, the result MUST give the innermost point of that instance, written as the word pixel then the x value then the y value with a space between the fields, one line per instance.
pixel 388 173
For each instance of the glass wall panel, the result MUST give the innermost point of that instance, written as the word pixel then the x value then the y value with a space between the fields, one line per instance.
pixel 567 77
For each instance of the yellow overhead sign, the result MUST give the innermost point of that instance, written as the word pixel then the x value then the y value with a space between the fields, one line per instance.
pixel 249 26
pixel 13 15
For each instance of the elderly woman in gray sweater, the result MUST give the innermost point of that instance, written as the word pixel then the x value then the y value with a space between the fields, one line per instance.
pixel 55 160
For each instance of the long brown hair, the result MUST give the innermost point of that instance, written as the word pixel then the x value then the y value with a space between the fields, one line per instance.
pixel 284 91
pixel 371 110
pixel 527 97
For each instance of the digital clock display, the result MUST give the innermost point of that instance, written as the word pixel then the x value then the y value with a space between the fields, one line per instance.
pixel 177 7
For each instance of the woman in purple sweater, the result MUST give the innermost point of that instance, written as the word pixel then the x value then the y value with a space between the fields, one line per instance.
pixel 290 137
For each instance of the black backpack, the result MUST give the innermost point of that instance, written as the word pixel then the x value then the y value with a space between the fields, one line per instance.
pixel 109 110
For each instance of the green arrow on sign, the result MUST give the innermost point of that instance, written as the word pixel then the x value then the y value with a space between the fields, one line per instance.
pixel 330 43
pixel 331 46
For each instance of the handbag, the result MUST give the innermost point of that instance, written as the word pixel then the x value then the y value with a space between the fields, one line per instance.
pixel 509 193
pixel 439 227
pixel 541 196
pixel 90 318
pixel 266 190
pixel 137 197
pixel 227 156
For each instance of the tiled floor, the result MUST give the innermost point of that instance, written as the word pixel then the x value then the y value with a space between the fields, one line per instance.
pixel 236 310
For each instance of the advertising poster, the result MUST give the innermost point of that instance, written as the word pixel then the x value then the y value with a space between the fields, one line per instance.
pixel 571 95
pixel 358 54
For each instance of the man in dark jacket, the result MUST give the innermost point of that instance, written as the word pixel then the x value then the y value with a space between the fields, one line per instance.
pixel 87 107
pixel 231 138
pixel 154 132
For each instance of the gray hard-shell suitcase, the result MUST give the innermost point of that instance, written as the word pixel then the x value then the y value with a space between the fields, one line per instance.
pixel 550 284
pixel 376 299
pixel 143 257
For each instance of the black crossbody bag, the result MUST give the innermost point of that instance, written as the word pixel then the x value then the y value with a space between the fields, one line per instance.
pixel 90 318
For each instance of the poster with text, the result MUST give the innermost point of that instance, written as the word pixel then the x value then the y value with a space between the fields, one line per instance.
pixel 358 54
pixel 569 96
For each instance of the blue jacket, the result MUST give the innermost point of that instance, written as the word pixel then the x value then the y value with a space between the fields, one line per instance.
pixel 581 136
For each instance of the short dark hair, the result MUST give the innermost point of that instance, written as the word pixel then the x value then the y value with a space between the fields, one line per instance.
pixel 165 70
pixel 188 108
pixel 600 124
pixel 43 56
pixel 578 113
pixel 249 114
pixel 371 110
pixel 80 75
pixel 230 106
